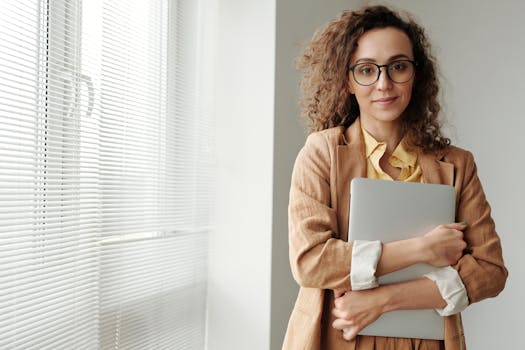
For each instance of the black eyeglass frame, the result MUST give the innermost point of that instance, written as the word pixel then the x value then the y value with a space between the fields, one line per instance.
pixel 379 66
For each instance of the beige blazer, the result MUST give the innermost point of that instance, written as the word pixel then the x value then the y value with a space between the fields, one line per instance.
pixel 320 256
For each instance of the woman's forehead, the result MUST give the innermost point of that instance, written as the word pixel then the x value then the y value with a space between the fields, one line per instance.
pixel 382 44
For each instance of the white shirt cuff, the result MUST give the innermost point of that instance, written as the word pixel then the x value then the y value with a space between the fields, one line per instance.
pixel 365 256
pixel 451 288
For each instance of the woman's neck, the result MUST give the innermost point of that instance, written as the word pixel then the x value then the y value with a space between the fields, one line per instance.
pixel 387 132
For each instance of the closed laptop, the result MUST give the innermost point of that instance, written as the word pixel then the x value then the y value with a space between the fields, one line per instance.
pixel 394 210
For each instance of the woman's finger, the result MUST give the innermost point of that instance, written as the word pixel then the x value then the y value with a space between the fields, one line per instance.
pixel 456 225
pixel 350 333
pixel 341 323
pixel 339 313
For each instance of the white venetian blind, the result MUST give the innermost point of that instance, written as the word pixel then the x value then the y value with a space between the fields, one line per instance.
pixel 106 174
pixel 49 227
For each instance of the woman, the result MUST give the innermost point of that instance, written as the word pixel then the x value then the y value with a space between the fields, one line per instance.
pixel 370 95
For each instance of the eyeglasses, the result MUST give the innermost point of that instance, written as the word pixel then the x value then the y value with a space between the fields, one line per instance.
pixel 368 73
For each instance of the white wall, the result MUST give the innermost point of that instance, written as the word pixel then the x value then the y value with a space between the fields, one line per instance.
pixel 240 246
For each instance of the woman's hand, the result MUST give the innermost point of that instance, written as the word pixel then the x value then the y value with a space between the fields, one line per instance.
pixel 444 245
pixel 355 310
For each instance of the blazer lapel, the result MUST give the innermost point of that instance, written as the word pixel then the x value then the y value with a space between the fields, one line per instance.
pixel 350 163
pixel 434 170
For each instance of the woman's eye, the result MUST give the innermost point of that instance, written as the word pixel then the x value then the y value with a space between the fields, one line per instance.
pixel 366 70
pixel 398 66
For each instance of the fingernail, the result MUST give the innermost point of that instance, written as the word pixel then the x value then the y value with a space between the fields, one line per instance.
pixel 464 223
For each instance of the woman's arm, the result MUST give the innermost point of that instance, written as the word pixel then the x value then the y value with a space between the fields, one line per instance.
pixel 317 258
pixel 443 246
pixel 357 309
pixel 482 270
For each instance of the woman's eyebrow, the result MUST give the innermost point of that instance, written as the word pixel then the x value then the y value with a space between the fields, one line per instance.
pixel 392 58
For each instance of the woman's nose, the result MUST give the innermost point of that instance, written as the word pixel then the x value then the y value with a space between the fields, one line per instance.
pixel 384 82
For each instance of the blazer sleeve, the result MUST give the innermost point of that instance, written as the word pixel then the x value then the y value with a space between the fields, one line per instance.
pixel 482 269
pixel 318 258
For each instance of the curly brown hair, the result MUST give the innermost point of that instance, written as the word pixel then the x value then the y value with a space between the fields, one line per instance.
pixel 326 101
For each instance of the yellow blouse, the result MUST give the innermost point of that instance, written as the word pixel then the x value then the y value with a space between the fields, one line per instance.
pixel 401 158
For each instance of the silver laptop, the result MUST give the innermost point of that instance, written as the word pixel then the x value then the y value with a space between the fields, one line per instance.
pixel 390 211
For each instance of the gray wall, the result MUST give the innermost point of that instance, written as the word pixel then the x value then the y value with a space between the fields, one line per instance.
pixel 480 46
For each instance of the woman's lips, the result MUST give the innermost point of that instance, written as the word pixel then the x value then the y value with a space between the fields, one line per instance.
pixel 385 100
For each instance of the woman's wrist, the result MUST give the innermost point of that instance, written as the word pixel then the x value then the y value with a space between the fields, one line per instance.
pixel 400 254
pixel 386 297
pixel 416 294
pixel 422 249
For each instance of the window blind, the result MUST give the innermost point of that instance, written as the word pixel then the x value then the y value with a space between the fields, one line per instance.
pixel 106 174
pixel 48 231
